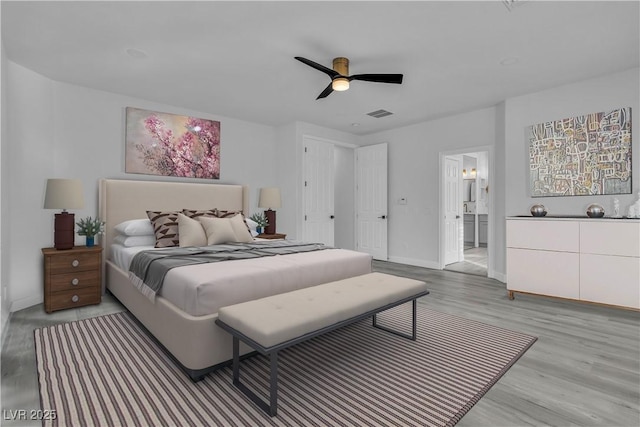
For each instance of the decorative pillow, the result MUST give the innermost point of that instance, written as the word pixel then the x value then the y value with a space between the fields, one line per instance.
pixel 135 227
pixel 241 229
pixel 252 226
pixel 231 214
pixel 130 241
pixel 191 232
pixel 218 230
pixel 193 213
pixel 226 214
pixel 165 228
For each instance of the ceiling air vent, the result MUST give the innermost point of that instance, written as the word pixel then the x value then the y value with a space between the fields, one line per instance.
pixel 379 113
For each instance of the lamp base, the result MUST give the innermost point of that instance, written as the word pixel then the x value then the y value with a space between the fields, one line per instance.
pixel 64 231
pixel 271 220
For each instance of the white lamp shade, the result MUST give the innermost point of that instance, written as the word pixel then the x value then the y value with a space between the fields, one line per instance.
pixel 64 194
pixel 269 198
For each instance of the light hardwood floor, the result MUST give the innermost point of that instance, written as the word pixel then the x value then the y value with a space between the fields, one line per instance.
pixel 475 262
pixel 584 370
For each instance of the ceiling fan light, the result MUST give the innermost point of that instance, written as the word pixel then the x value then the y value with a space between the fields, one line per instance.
pixel 340 84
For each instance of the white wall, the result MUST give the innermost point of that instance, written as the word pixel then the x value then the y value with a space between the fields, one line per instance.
pixel 414 151
pixel 5 305
pixel 414 174
pixel 591 96
pixel 62 130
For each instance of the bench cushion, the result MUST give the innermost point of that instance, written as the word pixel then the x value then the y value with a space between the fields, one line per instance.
pixel 279 318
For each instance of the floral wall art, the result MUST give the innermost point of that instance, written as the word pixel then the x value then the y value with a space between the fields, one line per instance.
pixel 171 145
pixel 580 156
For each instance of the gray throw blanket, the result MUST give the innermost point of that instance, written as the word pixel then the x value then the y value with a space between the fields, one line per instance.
pixel 148 268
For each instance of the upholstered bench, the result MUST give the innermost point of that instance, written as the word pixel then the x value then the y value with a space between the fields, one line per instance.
pixel 274 323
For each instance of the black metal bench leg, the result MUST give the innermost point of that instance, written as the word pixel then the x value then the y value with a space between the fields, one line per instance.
pixel 272 407
pixel 273 388
pixel 413 335
pixel 236 360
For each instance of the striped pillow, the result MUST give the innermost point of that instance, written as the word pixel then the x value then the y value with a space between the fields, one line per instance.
pixel 165 228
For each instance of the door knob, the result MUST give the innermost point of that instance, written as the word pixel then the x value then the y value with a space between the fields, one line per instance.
pixel 383 217
pixel 457 216
pixel 332 217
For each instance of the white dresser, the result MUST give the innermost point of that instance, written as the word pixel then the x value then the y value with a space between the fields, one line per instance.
pixel 587 259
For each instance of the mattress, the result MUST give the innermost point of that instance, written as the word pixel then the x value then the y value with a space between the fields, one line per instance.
pixel 202 289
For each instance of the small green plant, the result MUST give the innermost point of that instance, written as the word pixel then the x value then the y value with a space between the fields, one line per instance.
pixel 90 227
pixel 260 219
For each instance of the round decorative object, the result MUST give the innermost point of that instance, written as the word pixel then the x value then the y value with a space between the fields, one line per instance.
pixel 538 210
pixel 595 211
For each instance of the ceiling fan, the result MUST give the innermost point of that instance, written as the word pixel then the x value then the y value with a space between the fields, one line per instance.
pixel 340 77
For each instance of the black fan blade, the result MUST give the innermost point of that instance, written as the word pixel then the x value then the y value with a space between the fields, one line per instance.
pixel 310 63
pixel 326 91
pixel 380 78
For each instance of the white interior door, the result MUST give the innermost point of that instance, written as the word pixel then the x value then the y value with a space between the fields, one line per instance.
pixel 318 193
pixel 452 216
pixel 371 204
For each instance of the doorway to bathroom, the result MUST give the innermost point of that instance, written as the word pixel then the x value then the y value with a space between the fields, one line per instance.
pixel 466 212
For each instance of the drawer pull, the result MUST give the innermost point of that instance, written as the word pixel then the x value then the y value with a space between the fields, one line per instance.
pixel 75 281
pixel 75 298
pixel 75 263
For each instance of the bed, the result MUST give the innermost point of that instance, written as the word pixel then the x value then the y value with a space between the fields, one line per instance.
pixel 181 324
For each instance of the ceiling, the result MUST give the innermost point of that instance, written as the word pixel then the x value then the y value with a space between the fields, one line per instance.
pixel 236 59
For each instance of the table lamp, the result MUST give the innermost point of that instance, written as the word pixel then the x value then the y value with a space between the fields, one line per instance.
pixel 269 199
pixel 64 194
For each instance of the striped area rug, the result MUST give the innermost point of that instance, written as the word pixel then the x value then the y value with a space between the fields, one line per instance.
pixel 106 371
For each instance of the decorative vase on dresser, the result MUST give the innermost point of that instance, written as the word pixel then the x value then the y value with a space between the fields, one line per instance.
pixel 591 259
pixel 72 278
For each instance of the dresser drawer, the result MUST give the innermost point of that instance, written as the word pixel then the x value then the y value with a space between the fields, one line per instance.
pixel 75 280
pixel 74 262
pixel 72 278
pixel 74 298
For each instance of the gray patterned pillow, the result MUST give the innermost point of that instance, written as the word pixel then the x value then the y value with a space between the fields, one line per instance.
pixel 165 228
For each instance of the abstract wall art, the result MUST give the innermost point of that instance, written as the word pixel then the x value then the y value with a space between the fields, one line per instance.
pixel 171 145
pixel 581 156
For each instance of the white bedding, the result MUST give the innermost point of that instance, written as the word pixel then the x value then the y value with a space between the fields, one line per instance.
pixel 202 289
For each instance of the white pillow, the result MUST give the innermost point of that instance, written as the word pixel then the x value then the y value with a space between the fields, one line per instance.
pixel 130 241
pixel 240 229
pixel 252 226
pixel 218 230
pixel 251 223
pixel 190 232
pixel 135 227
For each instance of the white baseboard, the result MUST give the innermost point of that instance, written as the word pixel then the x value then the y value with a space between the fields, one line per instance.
pixel 501 277
pixel 5 328
pixel 415 262
pixel 25 303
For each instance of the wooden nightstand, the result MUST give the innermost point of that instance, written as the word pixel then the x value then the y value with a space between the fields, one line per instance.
pixel 72 278
pixel 274 236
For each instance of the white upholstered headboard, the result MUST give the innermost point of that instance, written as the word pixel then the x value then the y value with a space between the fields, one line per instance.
pixel 120 200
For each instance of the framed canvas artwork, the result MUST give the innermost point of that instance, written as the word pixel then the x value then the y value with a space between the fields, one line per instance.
pixel 581 156
pixel 171 145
